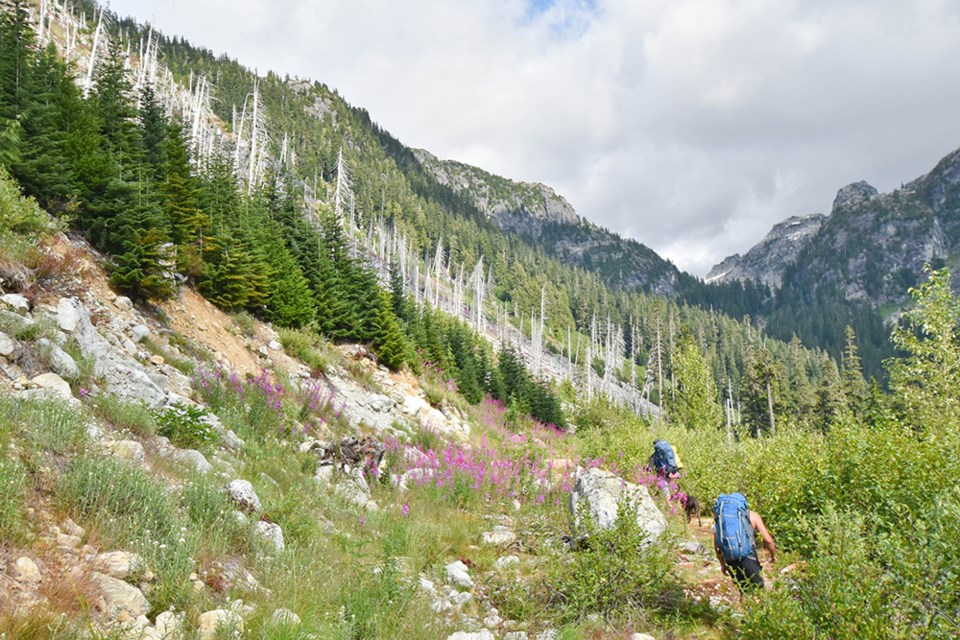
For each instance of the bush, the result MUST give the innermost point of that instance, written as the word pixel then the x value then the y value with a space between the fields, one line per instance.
pixel 840 595
pixel 186 427
pixel 620 571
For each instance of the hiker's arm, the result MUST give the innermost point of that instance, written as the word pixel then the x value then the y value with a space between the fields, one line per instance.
pixel 723 562
pixel 768 542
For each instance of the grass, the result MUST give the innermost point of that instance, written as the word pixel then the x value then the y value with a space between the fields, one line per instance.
pixel 45 426
pixel 307 347
pixel 183 365
pixel 135 417
pixel 13 495
pixel 129 509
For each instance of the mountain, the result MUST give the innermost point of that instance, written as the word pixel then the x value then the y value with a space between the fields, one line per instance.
pixel 766 261
pixel 546 221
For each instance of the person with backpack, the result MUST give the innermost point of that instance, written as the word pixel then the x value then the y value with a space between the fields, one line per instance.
pixel 734 540
pixel 664 460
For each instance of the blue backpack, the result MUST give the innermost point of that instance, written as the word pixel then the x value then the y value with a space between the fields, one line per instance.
pixel 663 459
pixel 734 533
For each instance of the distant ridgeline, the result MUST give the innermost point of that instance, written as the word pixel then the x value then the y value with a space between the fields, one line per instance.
pixel 274 196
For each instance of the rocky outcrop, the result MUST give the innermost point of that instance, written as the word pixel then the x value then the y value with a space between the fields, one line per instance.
pixel 767 260
pixel 597 494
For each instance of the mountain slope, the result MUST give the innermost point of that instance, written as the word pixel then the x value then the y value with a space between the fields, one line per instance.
pixel 766 261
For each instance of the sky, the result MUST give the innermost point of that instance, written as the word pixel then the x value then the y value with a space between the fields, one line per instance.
pixel 692 126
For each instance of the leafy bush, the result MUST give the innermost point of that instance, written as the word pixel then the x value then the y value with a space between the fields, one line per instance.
pixel 302 345
pixel 840 595
pixel 186 427
pixel 619 571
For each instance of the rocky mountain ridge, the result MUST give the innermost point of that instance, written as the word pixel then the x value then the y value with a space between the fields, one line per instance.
pixel 870 249
pixel 766 261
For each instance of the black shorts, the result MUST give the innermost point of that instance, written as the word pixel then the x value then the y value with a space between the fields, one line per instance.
pixel 746 572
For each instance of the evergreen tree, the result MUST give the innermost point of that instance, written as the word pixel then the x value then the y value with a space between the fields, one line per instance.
pixel 854 386
pixel 760 392
pixel 830 401
pixel 392 347
pixel 695 403
pixel 291 301
pixel 180 194
pixel 153 131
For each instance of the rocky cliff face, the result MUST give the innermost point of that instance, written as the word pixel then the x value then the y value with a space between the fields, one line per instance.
pixel 520 207
pixel 767 260
pixel 871 248
pixel 874 246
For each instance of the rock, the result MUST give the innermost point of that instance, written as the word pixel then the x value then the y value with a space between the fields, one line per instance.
pixel 71 527
pixel 193 459
pixel 272 533
pixel 120 564
pixel 169 626
pixel 506 561
pixel 285 618
pixel 123 303
pixel 516 635
pixel 139 333
pixel 66 541
pixel 457 573
pixel 231 574
pixel 241 492
pixel 60 361
pixel 691 546
pixel 853 194
pixel 492 621
pixel 324 473
pixel 120 374
pixel 353 488
pixel 157 360
pixel 223 620
pixel 7 345
pixel 598 492
pixel 14 322
pixel 120 597
pixel 412 405
pixel 548 634
pixel 500 536
pixel 67 316
pixel 427 585
pixel 16 303
pixel 54 383
pixel 642 636
pixel 483 634
pixel 129 450
pixel 274 345
pixel 27 570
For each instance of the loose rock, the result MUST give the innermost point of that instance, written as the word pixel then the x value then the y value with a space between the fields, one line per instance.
pixel 241 492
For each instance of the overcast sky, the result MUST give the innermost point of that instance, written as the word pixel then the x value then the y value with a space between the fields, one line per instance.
pixel 690 125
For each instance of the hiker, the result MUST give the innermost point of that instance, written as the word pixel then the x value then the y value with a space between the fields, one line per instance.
pixel 734 541
pixel 664 461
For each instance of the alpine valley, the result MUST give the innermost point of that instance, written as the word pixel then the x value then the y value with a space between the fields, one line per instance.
pixel 266 372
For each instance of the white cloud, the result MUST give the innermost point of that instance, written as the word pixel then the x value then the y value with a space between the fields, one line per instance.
pixel 691 125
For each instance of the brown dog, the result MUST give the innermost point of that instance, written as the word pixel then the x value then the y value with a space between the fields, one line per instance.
pixel 691 507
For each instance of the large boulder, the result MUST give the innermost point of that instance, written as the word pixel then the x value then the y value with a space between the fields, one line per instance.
pixel 599 493
pixel 119 597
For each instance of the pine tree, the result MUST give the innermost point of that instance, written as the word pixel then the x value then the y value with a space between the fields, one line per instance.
pixel 392 347
pixel 180 194
pixel 760 392
pixel 854 386
pixel 830 400
pixel 153 131
pixel 695 403
pixel 291 302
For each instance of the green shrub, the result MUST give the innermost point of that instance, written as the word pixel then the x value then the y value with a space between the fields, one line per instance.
pixel 302 345
pixel 185 426
pixel 840 595
pixel 619 572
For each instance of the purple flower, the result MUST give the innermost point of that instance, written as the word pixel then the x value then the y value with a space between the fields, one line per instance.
pixel 405 510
